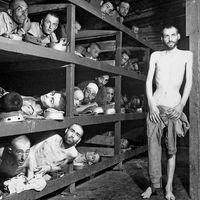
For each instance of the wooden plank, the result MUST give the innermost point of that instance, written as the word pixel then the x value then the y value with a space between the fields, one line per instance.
pixel 40 8
pixel 91 34
pixel 96 3
pixel 192 17
pixel 117 97
pixel 31 126
pixel 103 151
pixel 130 48
pixel 118 53
pixel 101 140
pixel 70 27
pixel 192 29
pixel 194 140
pixel 70 74
pixel 117 138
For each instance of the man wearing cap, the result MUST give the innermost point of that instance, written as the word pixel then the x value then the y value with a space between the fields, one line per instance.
pixel 100 81
pixel 90 93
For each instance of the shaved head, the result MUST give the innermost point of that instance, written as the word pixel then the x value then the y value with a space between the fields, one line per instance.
pixel 14 3
pixel 20 139
pixel 20 149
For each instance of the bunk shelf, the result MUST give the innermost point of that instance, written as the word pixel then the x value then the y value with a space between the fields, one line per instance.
pixel 32 57
pixel 91 9
pixel 75 176
pixel 40 8
pixel 31 126
pixel 91 34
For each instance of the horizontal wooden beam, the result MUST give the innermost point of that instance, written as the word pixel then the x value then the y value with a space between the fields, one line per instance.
pixel 40 8
pixel 101 140
pixel 102 151
pixel 31 126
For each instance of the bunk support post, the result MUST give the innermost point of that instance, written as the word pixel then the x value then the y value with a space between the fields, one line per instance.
pixel 72 186
pixel 70 30
pixel 117 144
pixel 192 30
pixel 118 93
pixel 70 26
pixel 117 128
pixel 118 53
pixel 70 71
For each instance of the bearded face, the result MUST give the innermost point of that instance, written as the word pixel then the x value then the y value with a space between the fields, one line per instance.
pixel 170 37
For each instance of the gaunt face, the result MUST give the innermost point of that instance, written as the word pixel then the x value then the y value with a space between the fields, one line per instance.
pixel 21 151
pixel 73 134
pixel 94 51
pixel 124 8
pixel 51 99
pixel 89 94
pixel 102 80
pixel 109 94
pixel 49 24
pixel 20 11
pixel 77 27
pixel 92 157
pixel 78 97
pixel 170 37
pixel 125 58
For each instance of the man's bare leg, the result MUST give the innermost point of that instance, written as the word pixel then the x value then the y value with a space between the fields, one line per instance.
pixel 170 175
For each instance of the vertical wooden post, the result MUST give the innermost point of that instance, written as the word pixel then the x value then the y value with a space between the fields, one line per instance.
pixel 72 187
pixel 192 30
pixel 70 71
pixel 118 93
pixel 70 26
pixel 117 138
pixel 117 143
pixel 118 53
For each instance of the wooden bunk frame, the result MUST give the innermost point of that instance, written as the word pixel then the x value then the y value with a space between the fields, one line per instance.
pixel 31 57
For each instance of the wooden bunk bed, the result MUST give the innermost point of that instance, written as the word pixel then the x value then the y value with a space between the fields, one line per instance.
pixel 21 56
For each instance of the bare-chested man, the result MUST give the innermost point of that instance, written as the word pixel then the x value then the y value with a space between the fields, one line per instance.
pixel 166 105
pixel 13 157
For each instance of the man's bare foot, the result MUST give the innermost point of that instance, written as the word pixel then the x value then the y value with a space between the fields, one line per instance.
pixel 169 195
pixel 148 192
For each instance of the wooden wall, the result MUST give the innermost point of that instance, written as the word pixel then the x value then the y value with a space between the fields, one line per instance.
pixel 192 30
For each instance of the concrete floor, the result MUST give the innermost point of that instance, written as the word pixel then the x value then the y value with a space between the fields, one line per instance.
pixel 129 183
